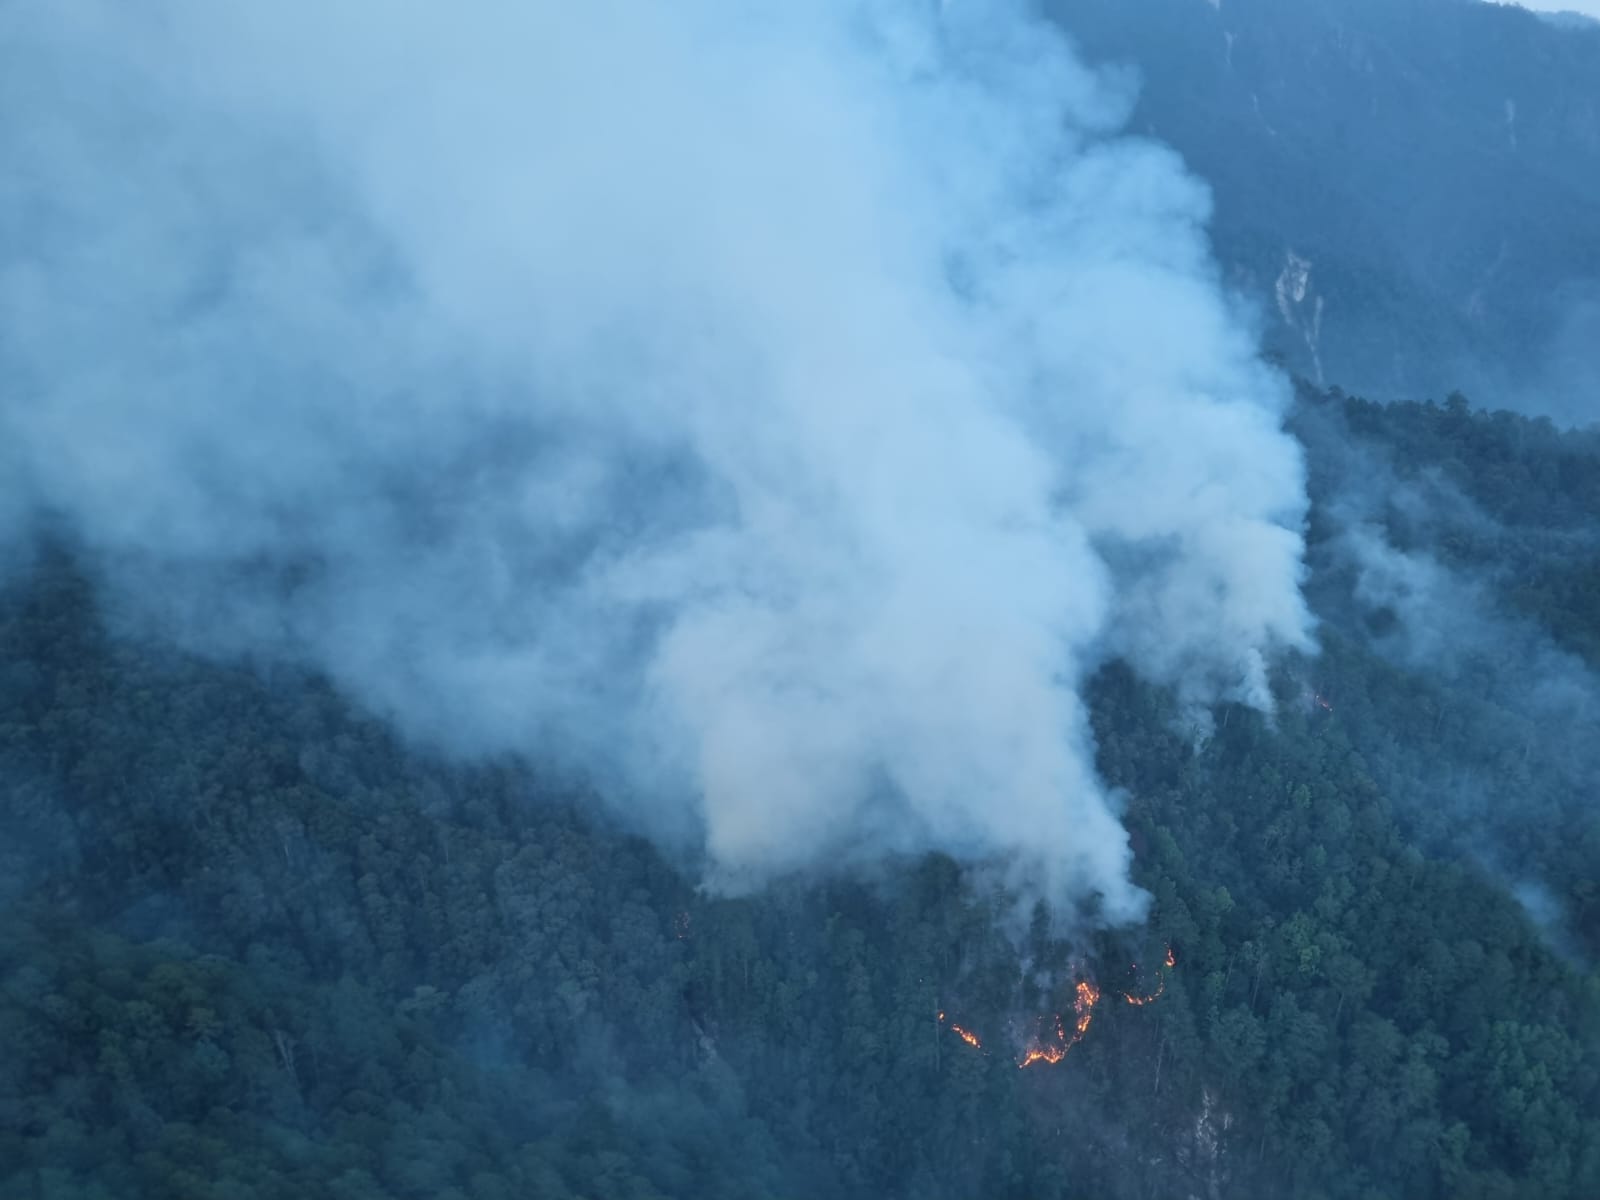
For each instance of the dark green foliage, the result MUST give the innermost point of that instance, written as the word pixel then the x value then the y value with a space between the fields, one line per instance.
pixel 1485 744
pixel 251 947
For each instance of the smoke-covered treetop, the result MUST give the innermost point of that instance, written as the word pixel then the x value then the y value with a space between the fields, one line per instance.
pixel 771 412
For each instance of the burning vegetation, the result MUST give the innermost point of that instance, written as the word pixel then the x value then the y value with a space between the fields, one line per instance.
pixel 1051 1039
pixel 1139 1000
pixel 966 1035
pixel 1052 1049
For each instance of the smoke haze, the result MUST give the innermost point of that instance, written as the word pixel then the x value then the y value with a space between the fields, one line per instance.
pixel 1484 733
pixel 773 411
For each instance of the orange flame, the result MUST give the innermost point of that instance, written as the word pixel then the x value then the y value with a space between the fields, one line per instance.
pixel 1140 1001
pixel 1161 983
pixel 1086 997
pixel 967 1036
pixel 1053 1047
pixel 1046 1054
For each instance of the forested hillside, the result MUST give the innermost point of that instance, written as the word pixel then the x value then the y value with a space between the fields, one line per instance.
pixel 1405 187
pixel 252 946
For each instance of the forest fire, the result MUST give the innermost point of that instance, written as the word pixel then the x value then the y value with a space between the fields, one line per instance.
pixel 1161 982
pixel 1141 1001
pixel 962 1032
pixel 1051 1041
pixel 1053 1051
pixel 1088 997
pixel 1046 1054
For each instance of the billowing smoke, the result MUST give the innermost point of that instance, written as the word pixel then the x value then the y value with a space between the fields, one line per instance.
pixel 773 410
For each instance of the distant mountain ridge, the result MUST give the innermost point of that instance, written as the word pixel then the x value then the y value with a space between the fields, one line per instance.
pixel 1409 189
pixel 1567 19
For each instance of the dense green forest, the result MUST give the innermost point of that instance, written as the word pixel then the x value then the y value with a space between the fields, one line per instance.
pixel 253 947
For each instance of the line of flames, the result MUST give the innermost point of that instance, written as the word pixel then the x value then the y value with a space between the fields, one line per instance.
pixel 965 1034
pixel 1086 996
pixel 1161 983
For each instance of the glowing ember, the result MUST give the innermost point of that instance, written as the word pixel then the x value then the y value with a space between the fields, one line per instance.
pixel 967 1036
pixel 1045 1054
pixel 1087 995
pixel 1140 1001
pixel 1161 983
pixel 1051 1041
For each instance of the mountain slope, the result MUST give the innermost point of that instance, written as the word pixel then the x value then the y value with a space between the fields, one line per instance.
pixel 1406 187
pixel 250 946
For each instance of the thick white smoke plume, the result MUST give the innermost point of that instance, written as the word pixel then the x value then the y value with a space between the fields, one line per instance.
pixel 776 408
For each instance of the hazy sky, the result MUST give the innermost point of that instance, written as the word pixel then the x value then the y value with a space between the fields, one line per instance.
pixel 1588 7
